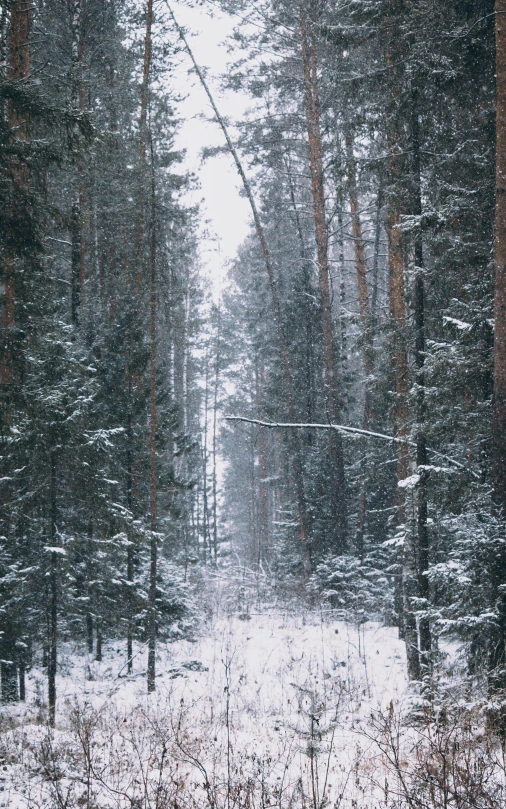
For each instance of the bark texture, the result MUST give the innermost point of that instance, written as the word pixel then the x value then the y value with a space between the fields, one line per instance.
pixel 332 392
pixel 499 408
pixel 497 660
pixel 19 71
pixel 78 264
pixel 153 471
pixel 53 604
pixel 422 551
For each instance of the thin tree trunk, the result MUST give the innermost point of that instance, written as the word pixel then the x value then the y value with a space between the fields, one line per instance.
pixel 100 638
pixel 89 632
pixel 153 472
pixel 406 562
pixel 360 268
pixel 377 242
pixel 53 584
pixel 215 450
pixel 130 546
pixel 133 379
pixel 78 266
pixel 253 503
pixel 305 542
pixel 342 294
pixel 205 500
pixel 143 139
pixel 332 392
pixel 406 580
pixel 89 611
pixel 421 441
pixel 308 313
pixel 263 487
pixel 22 681
pixel 365 316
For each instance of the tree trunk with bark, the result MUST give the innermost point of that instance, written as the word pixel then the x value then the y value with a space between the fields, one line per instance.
pixel 422 551
pixel 407 577
pixel 499 403
pixel 153 471
pixel 360 266
pixel 406 561
pixel 497 661
pixel 78 265
pixel 19 65
pixel 332 391
pixel 365 314
pixel 217 369
pixel 19 71
pixel 53 604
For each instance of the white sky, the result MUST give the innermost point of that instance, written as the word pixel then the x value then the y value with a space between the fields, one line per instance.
pixel 227 213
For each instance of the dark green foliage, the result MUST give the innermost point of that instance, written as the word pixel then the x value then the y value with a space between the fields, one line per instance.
pixel 74 502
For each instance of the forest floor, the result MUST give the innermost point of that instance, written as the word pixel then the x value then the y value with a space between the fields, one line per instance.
pixel 274 710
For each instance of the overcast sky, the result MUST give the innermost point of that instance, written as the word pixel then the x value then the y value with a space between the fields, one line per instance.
pixel 227 213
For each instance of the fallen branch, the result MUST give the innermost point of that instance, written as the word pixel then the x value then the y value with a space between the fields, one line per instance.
pixel 341 428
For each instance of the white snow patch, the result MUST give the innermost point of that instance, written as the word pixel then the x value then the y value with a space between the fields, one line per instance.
pixel 279 703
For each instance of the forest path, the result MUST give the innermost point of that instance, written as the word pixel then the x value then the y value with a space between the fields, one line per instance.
pixel 278 704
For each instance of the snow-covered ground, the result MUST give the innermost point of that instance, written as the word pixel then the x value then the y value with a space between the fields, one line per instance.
pixel 274 710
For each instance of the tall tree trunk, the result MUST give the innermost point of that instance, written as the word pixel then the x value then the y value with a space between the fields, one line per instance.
pixel 143 142
pixel 53 606
pixel 342 293
pixel 377 243
pixel 130 537
pixel 332 392
pixel 78 266
pixel 419 357
pixel 217 369
pixel 309 310
pixel 497 663
pixel 19 71
pixel 206 550
pixel 288 384
pixel 153 471
pixel 360 264
pixel 499 408
pixel 89 591
pixel 365 315
pixel 405 580
pixel 262 457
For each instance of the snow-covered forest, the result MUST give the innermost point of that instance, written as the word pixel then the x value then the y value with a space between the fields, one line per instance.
pixel 253 511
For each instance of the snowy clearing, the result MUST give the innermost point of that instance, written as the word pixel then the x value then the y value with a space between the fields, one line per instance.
pixel 273 709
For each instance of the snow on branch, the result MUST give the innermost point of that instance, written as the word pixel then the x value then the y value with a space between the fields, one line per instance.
pixel 341 428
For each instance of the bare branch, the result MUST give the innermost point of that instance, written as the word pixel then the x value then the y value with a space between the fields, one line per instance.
pixel 341 428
